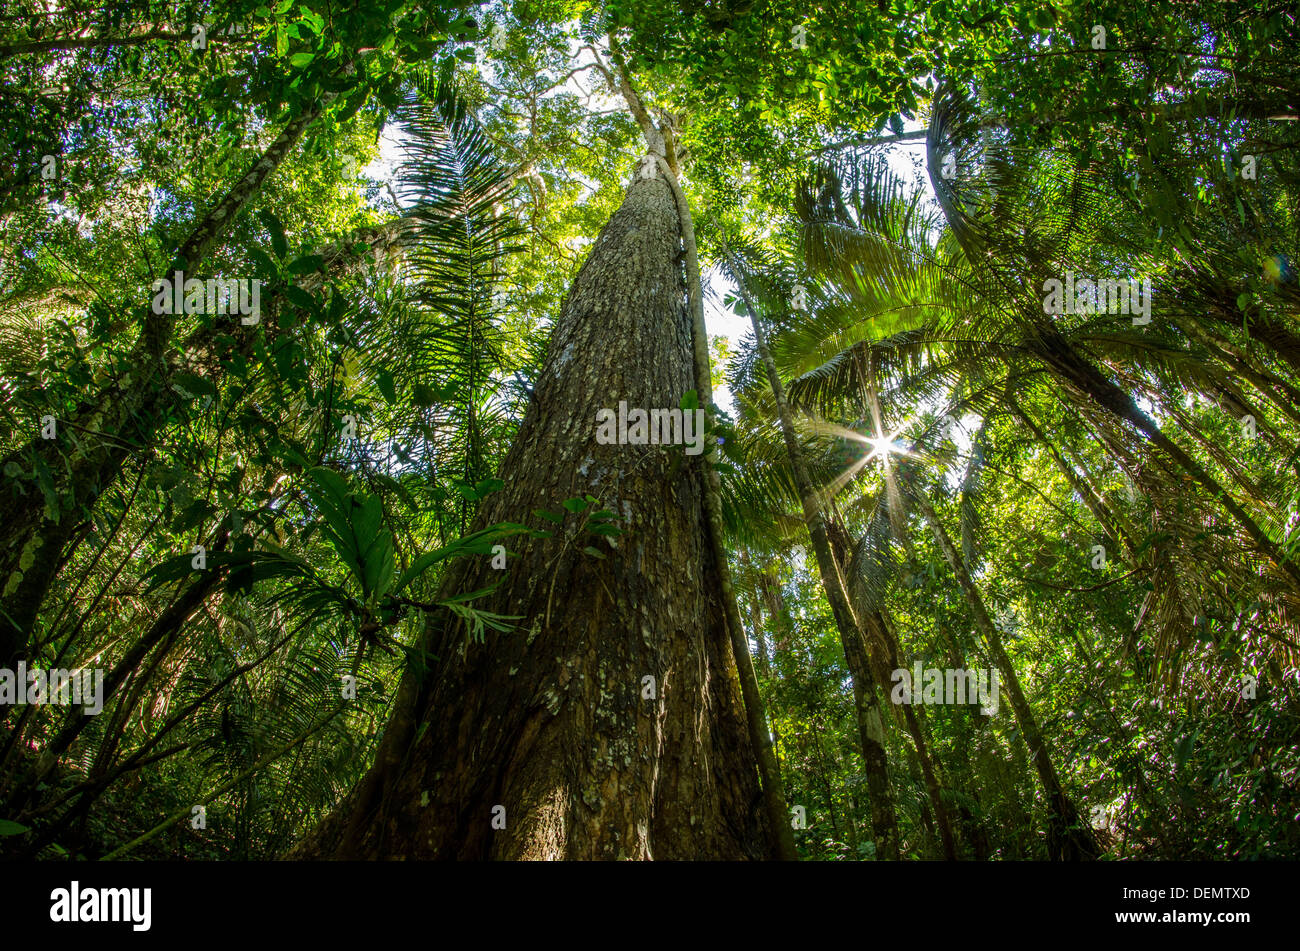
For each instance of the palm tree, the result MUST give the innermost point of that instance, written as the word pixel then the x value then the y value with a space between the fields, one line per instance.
pixel 972 331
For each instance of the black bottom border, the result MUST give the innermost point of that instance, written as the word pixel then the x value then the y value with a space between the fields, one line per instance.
pixel 632 901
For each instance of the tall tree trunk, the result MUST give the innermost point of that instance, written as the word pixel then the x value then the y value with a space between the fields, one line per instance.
pixel 764 664
pixel 866 693
pixel 1067 837
pixel 543 742
pixel 969 728
pixel 769 589
pixel 881 649
pixel 760 638
pixel 773 793
pixel 881 634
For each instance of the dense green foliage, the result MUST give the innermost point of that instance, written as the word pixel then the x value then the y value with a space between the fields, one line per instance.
pixel 240 517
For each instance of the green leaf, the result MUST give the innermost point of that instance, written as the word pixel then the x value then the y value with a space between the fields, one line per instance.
pixel 477 543
pixel 424 395
pixel 486 487
pixel 384 383
pixel 307 264
pixel 192 516
pixel 373 543
pixel 263 263
pixel 301 59
pixel 194 385
pixel 335 501
pixel 300 298
pixel 172 569
pixel 575 505
pixel 9 827
pixel 279 243
pixel 353 105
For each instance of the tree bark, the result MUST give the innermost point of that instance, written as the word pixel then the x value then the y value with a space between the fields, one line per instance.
pixel 550 722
